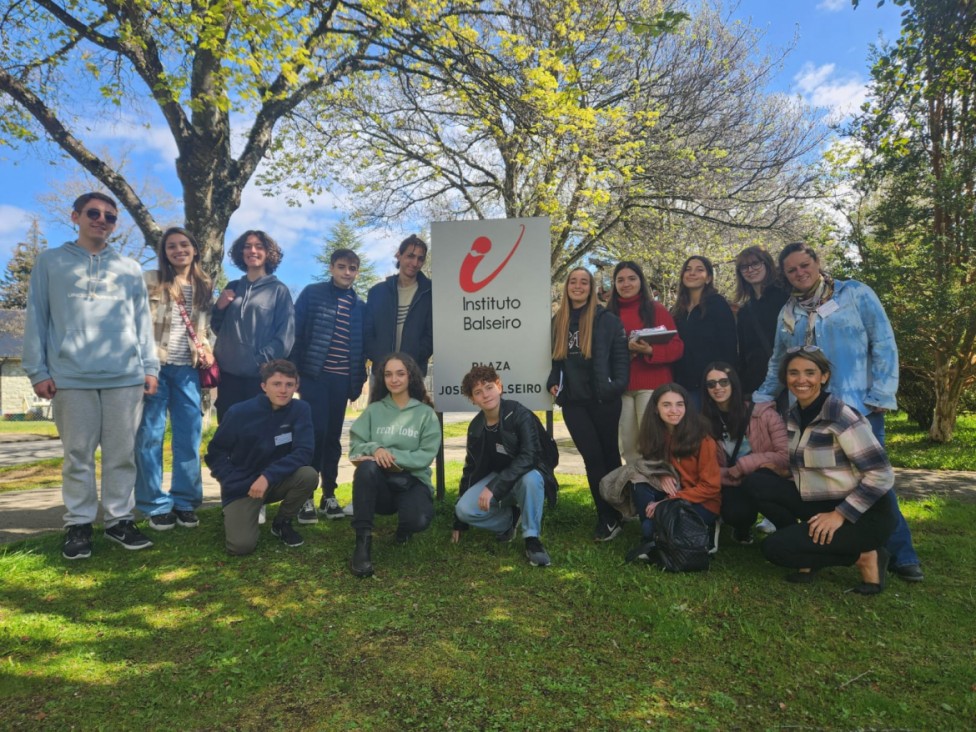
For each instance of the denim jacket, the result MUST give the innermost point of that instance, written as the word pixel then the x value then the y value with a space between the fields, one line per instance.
pixel 857 338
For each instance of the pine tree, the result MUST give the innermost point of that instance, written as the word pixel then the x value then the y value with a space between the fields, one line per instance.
pixel 344 236
pixel 13 288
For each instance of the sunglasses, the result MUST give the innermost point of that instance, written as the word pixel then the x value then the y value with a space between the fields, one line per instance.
pixel 712 383
pixel 750 266
pixel 805 349
pixel 95 214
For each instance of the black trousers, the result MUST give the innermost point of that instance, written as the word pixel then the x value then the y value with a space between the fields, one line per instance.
pixel 376 492
pixel 792 546
pixel 593 426
pixel 234 389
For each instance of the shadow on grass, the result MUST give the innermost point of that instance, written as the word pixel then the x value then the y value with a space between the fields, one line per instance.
pixel 470 637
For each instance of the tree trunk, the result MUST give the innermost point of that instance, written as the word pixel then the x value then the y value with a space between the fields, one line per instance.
pixel 948 387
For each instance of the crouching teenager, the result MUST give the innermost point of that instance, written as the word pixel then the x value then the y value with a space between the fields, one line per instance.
pixel 505 472
pixel 262 453
pixel 393 443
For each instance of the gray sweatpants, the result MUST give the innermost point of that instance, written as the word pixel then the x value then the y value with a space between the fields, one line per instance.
pixel 87 419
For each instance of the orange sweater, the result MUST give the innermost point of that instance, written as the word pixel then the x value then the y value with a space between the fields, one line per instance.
pixel 701 479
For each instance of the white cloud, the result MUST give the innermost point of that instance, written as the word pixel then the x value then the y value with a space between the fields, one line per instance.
pixel 833 6
pixel 824 86
pixel 14 223
pixel 143 137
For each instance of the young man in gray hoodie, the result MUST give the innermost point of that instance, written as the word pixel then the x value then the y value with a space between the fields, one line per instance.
pixel 88 346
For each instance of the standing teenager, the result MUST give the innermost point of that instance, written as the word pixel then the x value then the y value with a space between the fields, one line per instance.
pixel 590 368
pixel 705 323
pixel 760 297
pixel 329 328
pixel 253 318
pixel 88 347
pixel 399 310
pixel 650 364
pixel 179 291
pixel 393 443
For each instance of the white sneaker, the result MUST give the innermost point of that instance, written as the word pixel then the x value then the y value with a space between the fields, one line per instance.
pixel 766 526
pixel 263 515
pixel 347 510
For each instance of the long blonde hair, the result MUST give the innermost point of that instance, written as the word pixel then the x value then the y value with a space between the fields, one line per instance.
pixel 560 324
pixel 199 281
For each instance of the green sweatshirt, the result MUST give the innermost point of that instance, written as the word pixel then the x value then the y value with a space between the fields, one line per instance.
pixel 411 434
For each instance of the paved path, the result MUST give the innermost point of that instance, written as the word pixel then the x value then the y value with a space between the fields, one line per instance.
pixel 24 514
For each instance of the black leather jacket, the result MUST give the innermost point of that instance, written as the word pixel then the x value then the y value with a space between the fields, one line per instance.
pixel 517 432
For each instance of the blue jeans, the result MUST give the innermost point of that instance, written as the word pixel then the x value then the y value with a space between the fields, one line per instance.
pixel 644 494
pixel 179 393
pixel 900 543
pixel 529 494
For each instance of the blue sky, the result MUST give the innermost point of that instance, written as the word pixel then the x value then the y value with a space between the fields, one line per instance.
pixel 828 68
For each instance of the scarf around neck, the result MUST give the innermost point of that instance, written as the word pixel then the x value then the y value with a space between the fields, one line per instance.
pixel 808 301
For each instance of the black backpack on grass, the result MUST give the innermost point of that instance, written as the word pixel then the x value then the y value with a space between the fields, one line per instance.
pixel 681 536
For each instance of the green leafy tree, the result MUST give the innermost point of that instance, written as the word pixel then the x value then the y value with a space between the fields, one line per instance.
pixel 16 278
pixel 221 74
pixel 916 232
pixel 597 115
pixel 344 236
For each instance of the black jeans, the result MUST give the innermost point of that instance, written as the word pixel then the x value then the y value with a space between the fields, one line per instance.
pixel 739 508
pixel 376 492
pixel 327 396
pixel 234 389
pixel 792 546
pixel 593 426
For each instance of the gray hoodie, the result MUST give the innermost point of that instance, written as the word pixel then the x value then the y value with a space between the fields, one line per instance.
pixel 88 324
pixel 256 327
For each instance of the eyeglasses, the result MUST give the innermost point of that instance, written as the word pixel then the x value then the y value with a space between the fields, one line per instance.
pixel 751 266
pixel 95 214
pixel 805 349
pixel 712 383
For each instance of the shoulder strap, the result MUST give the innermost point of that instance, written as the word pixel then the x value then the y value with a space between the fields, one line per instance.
pixel 738 443
pixel 189 326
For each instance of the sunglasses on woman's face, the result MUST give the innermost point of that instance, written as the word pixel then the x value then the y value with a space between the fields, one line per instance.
pixel 712 383
pixel 95 214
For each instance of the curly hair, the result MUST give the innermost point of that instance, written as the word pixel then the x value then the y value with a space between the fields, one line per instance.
pixel 657 443
pixel 275 255
pixel 415 379
pixel 478 375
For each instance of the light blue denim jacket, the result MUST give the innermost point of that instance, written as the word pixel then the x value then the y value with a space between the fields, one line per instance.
pixel 856 337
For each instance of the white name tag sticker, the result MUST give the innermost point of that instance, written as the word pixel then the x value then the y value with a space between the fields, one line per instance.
pixel 827 308
pixel 282 439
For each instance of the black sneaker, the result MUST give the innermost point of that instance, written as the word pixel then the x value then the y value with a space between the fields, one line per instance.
pixel 330 508
pixel 284 531
pixel 307 514
pixel 742 537
pixel 162 521
pixel 536 553
pixel 642 552
pixel 186 518
pixel 127 535
pixel 508 534
pixel 77 542
pixel 606 530
pixel 910 572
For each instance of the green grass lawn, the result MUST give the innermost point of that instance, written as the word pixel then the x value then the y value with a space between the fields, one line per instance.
pixel 910 447
pixel 470 637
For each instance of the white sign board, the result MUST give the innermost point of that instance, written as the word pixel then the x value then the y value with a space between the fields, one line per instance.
pixel 491 306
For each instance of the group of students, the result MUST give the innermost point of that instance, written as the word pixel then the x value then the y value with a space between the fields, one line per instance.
pixel 699 416
pixel 706 417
